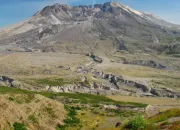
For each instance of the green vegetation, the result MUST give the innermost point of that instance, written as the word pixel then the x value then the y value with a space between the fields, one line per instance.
pixel 71 121
pixel 175 126
pixel 54 81
pixel 11 99
pixel 90 99
pixel 8 90
pixel 76 104
pixel 169 40
pixel 113 112
pixel 178 39
pixel 171 83
pixel 144 72
pixel 169 125
pixel 50 81
pixel 137 123
pixel 32 118
pixel 19 126
pixel 50 112
pixel 123 113
pixel 78 97
pixel 26 99
pixel 175 55
pixel 165 115
pixel 79 106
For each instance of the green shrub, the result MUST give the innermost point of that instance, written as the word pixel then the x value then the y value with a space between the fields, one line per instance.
pixel 137 123
pixel 78 97
pixel 96 105
pixel 32 118
pixel 11 99
pixel 50 112
pixel 71 120
pixel 122 113
pixel 19 126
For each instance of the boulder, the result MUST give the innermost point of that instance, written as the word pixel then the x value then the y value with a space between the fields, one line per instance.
pixel 95 85
pixel 6 81
pixel 163 92
pixel 118 124
pixel 143 87
pixel 98 59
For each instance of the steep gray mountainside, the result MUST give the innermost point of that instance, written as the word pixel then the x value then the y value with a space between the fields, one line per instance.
pixel 85 29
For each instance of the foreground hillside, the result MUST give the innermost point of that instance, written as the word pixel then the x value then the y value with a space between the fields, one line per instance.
pixel 25 110
pixel 31 111
pixel 43 110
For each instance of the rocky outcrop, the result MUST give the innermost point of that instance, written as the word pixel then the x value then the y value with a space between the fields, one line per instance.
pixel 98 59
pixel 118 81
pixel 95 58
pixel 171 49
pixel 6 81
pixel 113 85
pixel 80 88
pixel 66 88
pixel 165 92
pixel 144 88
pixel 148 63
pixel 83 70
pixel 48 31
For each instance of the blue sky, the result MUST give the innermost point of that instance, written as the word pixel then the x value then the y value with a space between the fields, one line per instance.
pixel 14 11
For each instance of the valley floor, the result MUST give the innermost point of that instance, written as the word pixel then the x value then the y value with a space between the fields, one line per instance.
pixel 47 73
pixel 147 100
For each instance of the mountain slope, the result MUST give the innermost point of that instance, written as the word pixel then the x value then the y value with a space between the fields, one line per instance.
pixel 83 28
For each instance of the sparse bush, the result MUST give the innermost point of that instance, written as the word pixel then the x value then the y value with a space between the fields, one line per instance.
pixel 96 105
pixel 29 98
pixel 50 112
pixel 19 126
pixel 76 108
pixel 32 118
pixel 80 97
pixel 137 123
pixel 11 99
pixel 71 120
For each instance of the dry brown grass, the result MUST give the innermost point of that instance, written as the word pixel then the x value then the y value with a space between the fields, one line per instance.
pixel 39 63
pixel 142 71
pixel 99 122
pixel 146 100
pixel 36 111
pixel 165 115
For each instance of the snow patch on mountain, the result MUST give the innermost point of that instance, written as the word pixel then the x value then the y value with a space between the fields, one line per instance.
pixel 126 8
